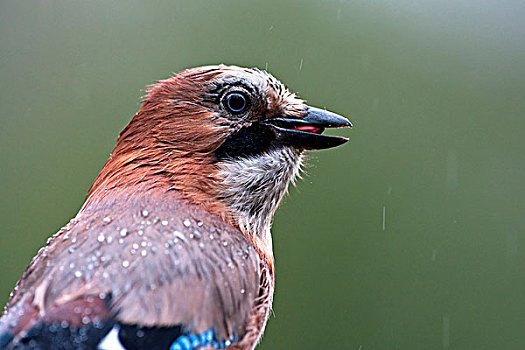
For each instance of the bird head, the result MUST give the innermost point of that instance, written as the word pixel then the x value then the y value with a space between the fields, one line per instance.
pixel 227 138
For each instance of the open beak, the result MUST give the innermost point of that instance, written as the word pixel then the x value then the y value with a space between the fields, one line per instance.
pixel 306 133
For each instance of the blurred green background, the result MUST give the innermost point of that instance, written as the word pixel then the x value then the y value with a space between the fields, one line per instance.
pixel 408 237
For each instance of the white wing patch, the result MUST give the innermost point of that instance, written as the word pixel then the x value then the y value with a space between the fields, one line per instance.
pixel 111 341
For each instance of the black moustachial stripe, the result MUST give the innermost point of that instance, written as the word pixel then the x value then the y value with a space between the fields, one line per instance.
pixel 249 141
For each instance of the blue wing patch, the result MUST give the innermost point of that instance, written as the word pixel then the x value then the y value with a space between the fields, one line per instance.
pixel 204 339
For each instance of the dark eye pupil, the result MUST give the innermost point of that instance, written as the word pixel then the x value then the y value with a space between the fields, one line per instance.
pixel 236 102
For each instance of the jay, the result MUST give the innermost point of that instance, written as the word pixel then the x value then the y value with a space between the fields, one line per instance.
pixel 172 248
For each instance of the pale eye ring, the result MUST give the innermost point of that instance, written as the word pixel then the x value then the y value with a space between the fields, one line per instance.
pixel 236 102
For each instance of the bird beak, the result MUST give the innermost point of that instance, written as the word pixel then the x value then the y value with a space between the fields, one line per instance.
pixel 306 133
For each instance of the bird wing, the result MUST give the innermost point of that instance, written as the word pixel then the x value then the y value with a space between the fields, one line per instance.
pixel 153 272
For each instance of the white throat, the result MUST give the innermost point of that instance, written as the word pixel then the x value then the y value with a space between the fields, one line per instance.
pixel 254 186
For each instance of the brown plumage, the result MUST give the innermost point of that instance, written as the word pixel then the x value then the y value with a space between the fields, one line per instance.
pixel 173 244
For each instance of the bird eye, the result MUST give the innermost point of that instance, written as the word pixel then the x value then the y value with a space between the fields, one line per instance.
pixel 236 102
